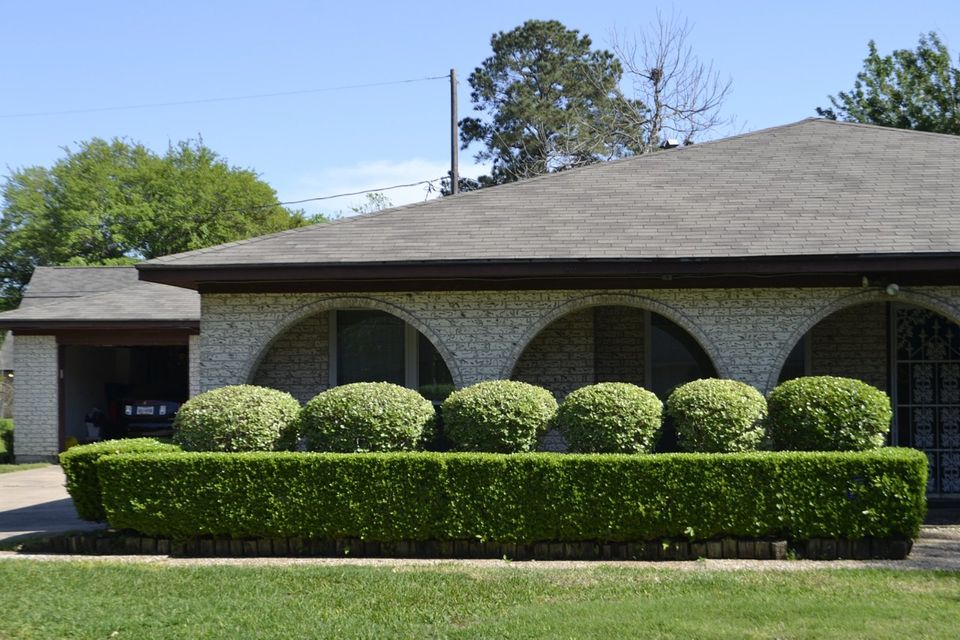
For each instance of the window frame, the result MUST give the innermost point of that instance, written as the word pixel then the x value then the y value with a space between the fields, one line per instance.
pixel 411 355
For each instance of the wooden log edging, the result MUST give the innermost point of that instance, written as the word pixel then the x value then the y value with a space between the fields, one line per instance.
pixel 121 543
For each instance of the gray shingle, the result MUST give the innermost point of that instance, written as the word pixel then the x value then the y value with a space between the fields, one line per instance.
pixel 811 188
pixel 101 294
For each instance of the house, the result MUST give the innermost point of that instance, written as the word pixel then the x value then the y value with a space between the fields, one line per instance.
pixel 6 376
pixel 85 339
pixel 812 248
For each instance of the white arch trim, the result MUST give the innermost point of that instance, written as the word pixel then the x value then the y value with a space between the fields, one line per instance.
pixel 621 300
pixel 343 303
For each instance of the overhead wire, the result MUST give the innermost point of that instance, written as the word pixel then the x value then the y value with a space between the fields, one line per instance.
pixel 337 195
pixel 255 96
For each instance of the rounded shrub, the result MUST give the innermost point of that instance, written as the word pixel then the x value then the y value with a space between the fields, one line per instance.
pixel 500 416
pixel 610 417
pixel 367 416
pixel 237 418
pixel 825 413
pixel 717 416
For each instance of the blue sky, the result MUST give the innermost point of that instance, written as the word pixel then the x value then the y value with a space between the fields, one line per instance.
pixel 784 58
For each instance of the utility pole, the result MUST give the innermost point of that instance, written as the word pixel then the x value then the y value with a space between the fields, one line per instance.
pixel 454 136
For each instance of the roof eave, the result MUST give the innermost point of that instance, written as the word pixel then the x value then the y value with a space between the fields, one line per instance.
pixel 446 274
pixel 47 325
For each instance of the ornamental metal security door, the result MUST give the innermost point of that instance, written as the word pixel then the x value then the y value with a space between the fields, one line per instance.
pixel 926 352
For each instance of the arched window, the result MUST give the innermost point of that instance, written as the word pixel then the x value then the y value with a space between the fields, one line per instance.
pixel 612 343
pixel 353 345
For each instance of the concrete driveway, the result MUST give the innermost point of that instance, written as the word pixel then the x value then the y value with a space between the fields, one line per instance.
pixel 36 501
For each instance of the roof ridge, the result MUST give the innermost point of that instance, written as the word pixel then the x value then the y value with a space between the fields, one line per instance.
pixel 887 129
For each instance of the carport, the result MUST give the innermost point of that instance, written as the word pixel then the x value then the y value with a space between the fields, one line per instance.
pixel 90 341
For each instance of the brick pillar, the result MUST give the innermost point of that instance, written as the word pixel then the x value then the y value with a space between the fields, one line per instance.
pixel 36 399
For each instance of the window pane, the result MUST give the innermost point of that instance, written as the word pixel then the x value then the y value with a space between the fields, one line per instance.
pixel 369 347
pixel 795 366
pixel 676 357
pixel 435 381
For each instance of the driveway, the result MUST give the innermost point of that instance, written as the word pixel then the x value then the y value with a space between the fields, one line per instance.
pixel 36 501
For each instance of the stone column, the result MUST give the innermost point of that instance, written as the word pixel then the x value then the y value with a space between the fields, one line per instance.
pixel 36 399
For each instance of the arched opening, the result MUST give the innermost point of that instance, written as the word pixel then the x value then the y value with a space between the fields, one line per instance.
pixel 341 346
pixel 612 343
pixel 913 354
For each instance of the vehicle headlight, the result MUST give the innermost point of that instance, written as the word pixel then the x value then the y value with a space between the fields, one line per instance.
pixel 128 410
pixel 163 410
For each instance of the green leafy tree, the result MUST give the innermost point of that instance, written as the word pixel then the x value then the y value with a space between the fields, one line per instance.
pixel 372 202
pixel 547 102
pixel 117 202
pixel 906 89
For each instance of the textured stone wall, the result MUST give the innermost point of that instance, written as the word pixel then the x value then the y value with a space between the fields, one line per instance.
pixel 36 407
pixel 619 344
pixel 298 362
pixel 560 358
pixel 747 332
pixel 852 343
pixel 193 365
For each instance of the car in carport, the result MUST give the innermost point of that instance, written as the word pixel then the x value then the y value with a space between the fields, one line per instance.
pixel 148 418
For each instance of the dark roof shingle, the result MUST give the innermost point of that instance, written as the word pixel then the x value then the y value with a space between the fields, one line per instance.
pixel 812 188
pixel 100 294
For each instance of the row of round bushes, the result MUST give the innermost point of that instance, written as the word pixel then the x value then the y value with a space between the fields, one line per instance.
pixel 814 413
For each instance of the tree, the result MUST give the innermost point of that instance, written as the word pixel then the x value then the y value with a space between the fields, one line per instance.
pixel 549 102
pixel 680 95
pixel 906 89
pixel 372 202
pixel 117 202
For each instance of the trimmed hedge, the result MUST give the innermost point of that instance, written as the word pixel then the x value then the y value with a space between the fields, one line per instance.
pixel 6 440
pixel 518 498
pixel 79 466
pixel 497 416
pixel 826 413
pixel 238 418
pixel 717 416
pixel 610 417
pixel 367 416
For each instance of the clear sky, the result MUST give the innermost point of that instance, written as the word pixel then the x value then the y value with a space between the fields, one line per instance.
pixel 784 58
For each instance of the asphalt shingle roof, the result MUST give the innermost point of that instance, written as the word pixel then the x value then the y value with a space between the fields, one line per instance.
pixel 100 294
pixel 810 188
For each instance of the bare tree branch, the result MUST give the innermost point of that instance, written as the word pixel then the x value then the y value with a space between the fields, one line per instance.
pixel 682 95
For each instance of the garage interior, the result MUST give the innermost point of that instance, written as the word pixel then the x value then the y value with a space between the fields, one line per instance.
pixel 96 381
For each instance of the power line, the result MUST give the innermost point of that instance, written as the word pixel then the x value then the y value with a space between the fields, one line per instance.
pixel 331 197
pixel 222 99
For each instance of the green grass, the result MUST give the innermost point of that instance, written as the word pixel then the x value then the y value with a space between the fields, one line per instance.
pixel 98 600
pixel 10 468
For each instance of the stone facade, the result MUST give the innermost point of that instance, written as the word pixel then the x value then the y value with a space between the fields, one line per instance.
pixel 747 333
pixel 561 357
pixel 37 399
pixel 620 344
pixel 598 344
pixel 193 349
pixel 298 361
pixel 853 343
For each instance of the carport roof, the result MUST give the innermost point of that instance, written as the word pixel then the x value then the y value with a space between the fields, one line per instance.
pixel 92 297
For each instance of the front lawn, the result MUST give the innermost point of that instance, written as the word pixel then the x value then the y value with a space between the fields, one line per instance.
pixel 10 468
pixel 100 600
